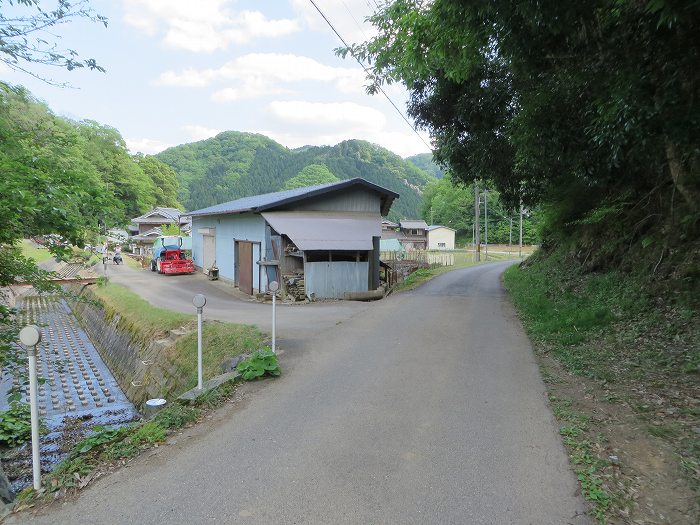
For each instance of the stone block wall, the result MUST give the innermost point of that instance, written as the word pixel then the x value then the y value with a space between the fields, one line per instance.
pixel 141 367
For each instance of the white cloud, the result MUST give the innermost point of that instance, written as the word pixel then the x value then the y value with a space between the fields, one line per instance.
pixel 197 132
pixel 403 144
pixel 148 146
pixel 348 17
pixel 262 74
pixel 204 25
pixel 346 115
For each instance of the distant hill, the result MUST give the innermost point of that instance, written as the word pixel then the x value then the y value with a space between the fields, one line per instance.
pixel 234 164
pixel 425 162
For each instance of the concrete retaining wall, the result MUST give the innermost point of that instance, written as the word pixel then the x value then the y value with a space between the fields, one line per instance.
pixel 140 367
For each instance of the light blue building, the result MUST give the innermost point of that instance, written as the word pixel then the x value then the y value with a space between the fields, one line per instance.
pixel 325 236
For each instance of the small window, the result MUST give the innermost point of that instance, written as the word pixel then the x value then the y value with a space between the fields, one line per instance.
pixel 441 245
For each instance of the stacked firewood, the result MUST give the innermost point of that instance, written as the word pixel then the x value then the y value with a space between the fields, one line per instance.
pixel 294 284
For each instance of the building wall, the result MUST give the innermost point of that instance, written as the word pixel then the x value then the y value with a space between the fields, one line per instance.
pixel 353 199
pixel 330 280
pixel 230 228
pixel 441 235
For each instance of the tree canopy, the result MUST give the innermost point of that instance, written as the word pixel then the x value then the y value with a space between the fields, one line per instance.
pixel 28 35
pixel 558 102
pixel 451 203
pixel 62 177
pixel 310 175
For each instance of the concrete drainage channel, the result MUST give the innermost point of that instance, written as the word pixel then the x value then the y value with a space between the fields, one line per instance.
pixel 80 392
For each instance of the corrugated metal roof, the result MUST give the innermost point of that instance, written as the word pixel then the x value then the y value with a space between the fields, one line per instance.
pixel 414 224
pixel 431 228
pixel 318 230
pixel 390 245
pixel 167 213
pixel 278 198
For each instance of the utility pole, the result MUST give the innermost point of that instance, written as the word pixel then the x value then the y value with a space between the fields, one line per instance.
pixel 477 228
pixel 520 249
pixel 486 226
pixel 510 234
pixel 431 216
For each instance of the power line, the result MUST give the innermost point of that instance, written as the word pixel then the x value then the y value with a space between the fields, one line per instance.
pixel 369 73
pixel 355 19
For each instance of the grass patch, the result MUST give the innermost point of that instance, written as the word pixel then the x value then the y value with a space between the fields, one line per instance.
pixel 131 262
pixel 565 312
pixel 592 472
pixel 38 253
pixel 145 318
pixel 634 335
pixel 219 342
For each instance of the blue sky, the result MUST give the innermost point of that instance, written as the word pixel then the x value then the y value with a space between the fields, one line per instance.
pixel 183 70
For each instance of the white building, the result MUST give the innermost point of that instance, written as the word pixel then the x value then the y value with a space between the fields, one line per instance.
pixel 441 238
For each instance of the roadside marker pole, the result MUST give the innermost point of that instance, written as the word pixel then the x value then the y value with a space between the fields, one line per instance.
pixel 30 336
pixel 273 287
pixel 199 301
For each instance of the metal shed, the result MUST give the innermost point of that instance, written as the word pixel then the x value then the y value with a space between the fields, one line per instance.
pixel 320 241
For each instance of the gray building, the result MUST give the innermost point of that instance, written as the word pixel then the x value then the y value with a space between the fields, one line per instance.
pixel 414 234
pixel 319 241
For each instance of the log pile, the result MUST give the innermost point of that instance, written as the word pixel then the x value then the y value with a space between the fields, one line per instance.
pixel 295 286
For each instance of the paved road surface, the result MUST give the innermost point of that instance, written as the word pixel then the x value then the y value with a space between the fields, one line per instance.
pixel 423 408
pixel 295 322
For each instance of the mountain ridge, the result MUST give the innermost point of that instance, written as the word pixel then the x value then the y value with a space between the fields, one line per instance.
pixel 236 164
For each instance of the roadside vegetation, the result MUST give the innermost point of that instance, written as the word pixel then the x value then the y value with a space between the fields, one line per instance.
pixel 221 341
pixel 148 320
pixel 587 114
pixel 108 448
pixel 624 349
pixel 38 254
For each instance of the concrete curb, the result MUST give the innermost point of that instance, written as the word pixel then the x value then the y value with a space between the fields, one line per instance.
pixel 208 386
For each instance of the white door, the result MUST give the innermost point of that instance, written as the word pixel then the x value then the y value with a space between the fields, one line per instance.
pixel 208 252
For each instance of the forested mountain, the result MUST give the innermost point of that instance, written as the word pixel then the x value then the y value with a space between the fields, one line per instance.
pixel 63 176
pixel 234 164
pixel 425 162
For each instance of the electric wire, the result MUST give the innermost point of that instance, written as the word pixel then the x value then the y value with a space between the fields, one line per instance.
pixel 368 72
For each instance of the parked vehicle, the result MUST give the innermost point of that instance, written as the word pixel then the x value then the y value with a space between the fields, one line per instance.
pixel 172 262
pixel 169 257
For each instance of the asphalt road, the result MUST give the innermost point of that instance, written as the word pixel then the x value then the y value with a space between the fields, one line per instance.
pixel 295 322
pixel 426 407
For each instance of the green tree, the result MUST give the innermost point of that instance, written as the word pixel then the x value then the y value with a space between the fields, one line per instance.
pixel 567 104
pixel 27 35
pixel 105 148
pixel 170 229
pixel 47 185
pixel 425 162
pixel 451 204
pixel 164 179
pixel 310 175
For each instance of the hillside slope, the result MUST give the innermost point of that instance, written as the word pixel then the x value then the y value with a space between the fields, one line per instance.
pixel 425 162
pixel 234 164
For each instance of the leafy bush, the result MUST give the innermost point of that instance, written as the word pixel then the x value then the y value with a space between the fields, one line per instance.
pixel 176 416
pixel 15 424
pixel 260 363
